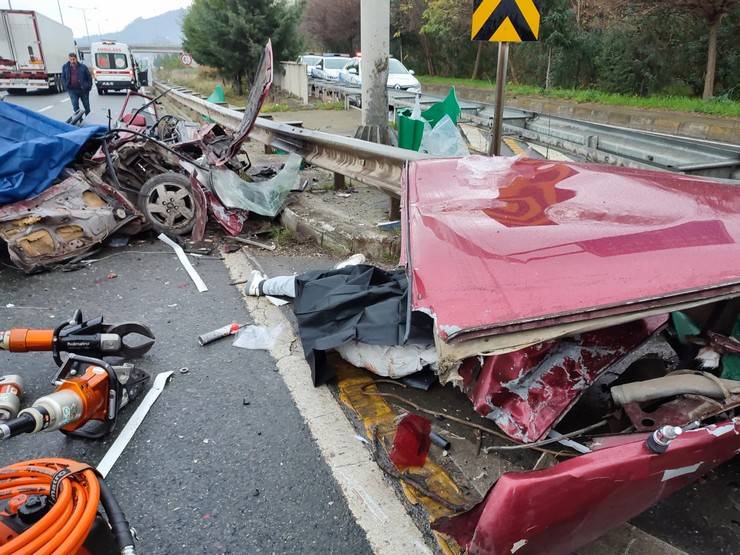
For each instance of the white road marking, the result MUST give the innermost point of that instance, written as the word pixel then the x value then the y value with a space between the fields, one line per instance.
pixel 45 108
pixel 372 501
pixel 65 100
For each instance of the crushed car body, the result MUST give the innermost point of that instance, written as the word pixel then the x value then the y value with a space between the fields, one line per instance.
pixel 64 189
pixel 570 300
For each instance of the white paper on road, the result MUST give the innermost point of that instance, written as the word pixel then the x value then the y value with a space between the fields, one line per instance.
pixel 199 283
pixel 110 458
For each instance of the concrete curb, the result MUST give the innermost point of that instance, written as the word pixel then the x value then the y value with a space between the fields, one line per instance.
pixel 340 237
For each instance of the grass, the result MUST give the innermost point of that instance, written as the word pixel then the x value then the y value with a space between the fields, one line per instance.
pixel 335 105
pixel 271 107
pixel 717 107
pixel 203 80
pixel 283 236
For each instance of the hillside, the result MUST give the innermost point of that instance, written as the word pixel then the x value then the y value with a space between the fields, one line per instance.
pixel 163 29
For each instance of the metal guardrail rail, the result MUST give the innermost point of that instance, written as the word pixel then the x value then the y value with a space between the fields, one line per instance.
pixel 606 144
pixel 373 164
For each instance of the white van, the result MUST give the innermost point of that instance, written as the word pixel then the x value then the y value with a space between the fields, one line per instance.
pixel 113 67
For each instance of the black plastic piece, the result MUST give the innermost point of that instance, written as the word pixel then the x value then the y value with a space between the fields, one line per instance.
pixel 34 508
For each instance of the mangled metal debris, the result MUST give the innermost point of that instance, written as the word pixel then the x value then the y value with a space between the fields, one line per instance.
pixel 150 170
pixel 65 221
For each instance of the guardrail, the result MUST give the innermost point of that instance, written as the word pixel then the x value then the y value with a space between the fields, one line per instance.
pixel 373 164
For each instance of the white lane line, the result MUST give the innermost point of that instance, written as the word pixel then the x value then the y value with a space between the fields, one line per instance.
pixel 389 528
pixel 65 100
pixel 45 108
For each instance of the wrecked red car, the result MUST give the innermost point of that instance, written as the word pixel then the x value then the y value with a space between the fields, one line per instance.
pixel 586 306
pixel 147 170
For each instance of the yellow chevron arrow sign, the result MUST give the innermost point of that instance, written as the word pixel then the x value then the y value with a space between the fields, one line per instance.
pixel 505 20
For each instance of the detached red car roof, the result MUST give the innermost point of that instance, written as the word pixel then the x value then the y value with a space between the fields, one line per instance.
pixel 498 244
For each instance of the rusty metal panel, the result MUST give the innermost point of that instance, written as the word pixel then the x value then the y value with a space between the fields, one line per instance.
pixel 560 509
pixel 496 245
pixel 65 221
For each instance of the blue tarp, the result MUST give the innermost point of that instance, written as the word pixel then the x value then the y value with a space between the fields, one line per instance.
pixel 34 150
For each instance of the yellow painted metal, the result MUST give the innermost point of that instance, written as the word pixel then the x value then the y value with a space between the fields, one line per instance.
pixel 378 418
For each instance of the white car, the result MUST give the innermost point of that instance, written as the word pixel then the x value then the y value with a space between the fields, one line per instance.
pixel 310 60
pixel 399 77
pixel 329 67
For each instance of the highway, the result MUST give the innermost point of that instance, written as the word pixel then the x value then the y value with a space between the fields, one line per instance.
pixel 58 106
pixel 225 461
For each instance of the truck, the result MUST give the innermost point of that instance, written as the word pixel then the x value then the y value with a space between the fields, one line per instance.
pixel 33 49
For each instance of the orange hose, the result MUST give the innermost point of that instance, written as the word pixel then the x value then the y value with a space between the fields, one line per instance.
pixel 63 530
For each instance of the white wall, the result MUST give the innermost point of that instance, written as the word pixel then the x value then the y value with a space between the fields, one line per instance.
pixel 293 79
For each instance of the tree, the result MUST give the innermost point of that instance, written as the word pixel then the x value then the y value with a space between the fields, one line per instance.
pixel 712 12
pixel 334 24
pixel 230 35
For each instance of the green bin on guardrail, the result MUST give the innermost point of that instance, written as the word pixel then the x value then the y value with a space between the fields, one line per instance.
pixel 411 131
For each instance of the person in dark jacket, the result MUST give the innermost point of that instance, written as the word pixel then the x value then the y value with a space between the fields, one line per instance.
pixel 78 82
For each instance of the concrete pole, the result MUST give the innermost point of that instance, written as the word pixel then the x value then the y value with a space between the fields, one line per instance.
pixel 375 42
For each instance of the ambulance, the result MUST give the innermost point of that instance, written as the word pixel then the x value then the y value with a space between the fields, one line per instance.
pixel 113 67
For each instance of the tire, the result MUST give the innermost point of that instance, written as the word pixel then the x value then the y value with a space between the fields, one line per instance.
pixel 100 91
pixel 168 203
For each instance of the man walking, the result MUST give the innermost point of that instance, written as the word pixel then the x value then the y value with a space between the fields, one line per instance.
pixel 78 82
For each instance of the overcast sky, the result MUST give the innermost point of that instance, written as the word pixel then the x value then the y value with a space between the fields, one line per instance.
pixel 110 16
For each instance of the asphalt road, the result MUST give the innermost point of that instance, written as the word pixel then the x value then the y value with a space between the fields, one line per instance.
pixel 58 106
pixel 224 462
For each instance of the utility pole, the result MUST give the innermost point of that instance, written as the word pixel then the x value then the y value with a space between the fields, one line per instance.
pixel 84 16
pixel 61 17
pixel 375 41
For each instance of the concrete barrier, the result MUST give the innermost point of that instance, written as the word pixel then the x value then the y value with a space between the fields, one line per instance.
pixel 293 79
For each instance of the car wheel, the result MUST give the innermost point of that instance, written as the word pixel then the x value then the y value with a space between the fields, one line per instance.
pixel 168 203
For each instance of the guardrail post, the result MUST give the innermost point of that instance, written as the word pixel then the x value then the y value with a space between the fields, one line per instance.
pixel 395 211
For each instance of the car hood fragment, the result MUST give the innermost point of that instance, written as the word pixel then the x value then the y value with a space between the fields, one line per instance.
pixel 257 94
pixel 505 253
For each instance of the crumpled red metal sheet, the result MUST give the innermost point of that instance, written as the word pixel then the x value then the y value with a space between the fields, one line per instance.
pixel 506 244
pixel 563 508
pixel 527 392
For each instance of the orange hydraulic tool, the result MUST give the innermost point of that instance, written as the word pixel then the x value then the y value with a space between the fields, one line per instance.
pixel 89 394
pixel 83 337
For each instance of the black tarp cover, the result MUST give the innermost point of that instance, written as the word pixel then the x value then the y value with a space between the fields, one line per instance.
pixel 362 303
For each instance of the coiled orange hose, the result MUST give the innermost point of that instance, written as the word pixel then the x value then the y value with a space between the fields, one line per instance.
pixel 62 530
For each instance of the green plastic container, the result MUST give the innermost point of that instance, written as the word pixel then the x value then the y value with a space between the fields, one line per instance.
pixel 447 107
pixel 411 131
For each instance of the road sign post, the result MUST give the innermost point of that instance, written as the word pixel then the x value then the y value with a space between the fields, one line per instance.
pixel 494 146
pixel 503 21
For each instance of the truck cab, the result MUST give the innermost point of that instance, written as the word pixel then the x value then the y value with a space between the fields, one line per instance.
pixel 114 68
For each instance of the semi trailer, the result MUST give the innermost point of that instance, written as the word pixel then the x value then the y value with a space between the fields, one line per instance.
pixel 33 49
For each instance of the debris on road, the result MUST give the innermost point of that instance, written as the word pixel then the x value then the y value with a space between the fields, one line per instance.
pixel 257 337
pixel 220 333
pixel 124 437
pixel 197 280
